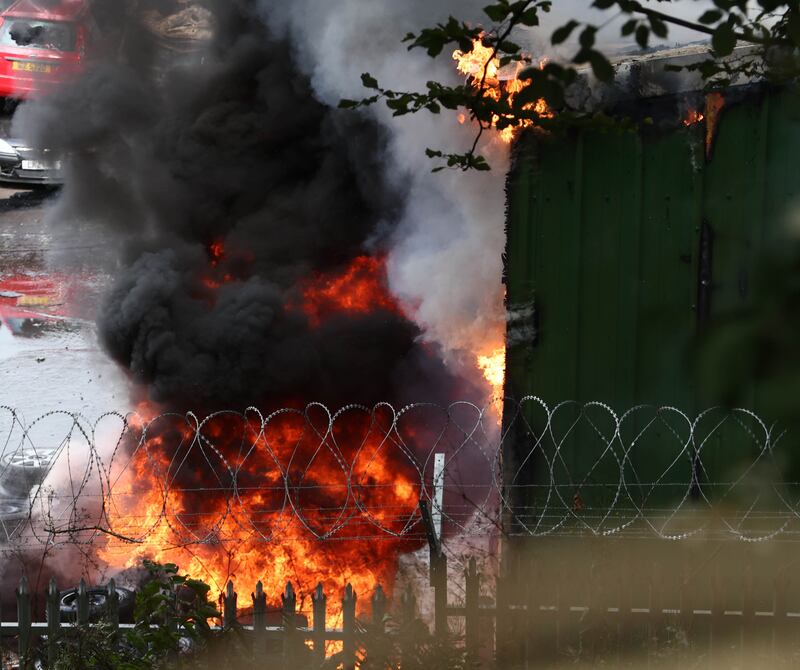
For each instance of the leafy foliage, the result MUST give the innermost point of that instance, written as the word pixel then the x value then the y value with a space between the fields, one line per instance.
pixel 172 613
pixel 770 27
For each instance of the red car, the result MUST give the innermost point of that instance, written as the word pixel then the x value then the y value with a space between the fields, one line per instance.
pixel 42 44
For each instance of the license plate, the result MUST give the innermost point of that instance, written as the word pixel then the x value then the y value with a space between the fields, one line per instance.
pixel 33 301
pixel 41 165
pixel 24 66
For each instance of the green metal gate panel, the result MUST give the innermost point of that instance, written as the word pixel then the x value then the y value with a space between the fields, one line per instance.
pixel 606 239
pixel 604 242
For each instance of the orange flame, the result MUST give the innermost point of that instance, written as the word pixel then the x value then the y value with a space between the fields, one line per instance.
pixel 692 117
pixel 217 252
pixel 481 65
pixel 360 288
pixel 493 366
pixel 177 500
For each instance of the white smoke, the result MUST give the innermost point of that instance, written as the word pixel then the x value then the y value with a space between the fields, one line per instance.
pixel 446 259
pixel 445 263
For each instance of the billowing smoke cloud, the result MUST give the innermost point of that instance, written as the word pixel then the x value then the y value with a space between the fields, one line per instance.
pixel 445 260
pixel 239 149
pixel 446 252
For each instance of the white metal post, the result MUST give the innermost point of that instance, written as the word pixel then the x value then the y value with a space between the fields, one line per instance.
pixel 438 493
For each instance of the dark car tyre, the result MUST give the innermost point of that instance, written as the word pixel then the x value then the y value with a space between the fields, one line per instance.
pixel 98 597
pixel 21 471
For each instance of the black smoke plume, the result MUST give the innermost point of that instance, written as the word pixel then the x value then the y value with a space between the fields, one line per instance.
pixel 174 153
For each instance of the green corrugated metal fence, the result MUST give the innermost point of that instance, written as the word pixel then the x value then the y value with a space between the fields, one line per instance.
pixel 610 238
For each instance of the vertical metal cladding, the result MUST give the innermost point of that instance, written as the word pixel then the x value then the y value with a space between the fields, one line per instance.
pixel 630 245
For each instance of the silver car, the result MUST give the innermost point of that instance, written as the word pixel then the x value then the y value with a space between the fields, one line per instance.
pixel 23 165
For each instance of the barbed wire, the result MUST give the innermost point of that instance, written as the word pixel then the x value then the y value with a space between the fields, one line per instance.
pixel 312 474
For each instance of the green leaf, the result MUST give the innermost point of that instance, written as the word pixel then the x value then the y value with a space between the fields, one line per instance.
pixel 508 47
pixel 562 34
pixel 710 16
pixel 628 27
pixel 603 4
pixel 348 104
pixel 658 27
pixel 497 12
pixel 582 56
pixel 723 40
pixel 642 35
pixel 369 81
pixel 530 18
pixel 601 67
pixel 587 37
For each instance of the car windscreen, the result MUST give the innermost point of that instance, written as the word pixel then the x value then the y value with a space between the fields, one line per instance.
pixel 56 35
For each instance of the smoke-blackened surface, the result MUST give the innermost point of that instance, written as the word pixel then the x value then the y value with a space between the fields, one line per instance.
pixel 235 151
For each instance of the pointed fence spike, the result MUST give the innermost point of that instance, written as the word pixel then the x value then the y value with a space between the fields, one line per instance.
pixel 409 605
pixel 379 594
pixel 53 621
pixel 24 620
pixel 378 605
pixel 259 610
pixel 229 589
pixel 349 627
pixel 319 603
pixel 289 592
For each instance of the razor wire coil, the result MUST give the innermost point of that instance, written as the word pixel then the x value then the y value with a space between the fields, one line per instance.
pixel 358 473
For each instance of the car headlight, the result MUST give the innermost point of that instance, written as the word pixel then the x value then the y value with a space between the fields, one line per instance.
pixel 6 148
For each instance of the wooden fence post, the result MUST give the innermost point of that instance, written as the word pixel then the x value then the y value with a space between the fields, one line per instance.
pixel 289 600
pixel 379 608
pixel 53 621
pixel 438 572
pixel 717 618
pixel 319 603
pixel 377 650
pixel 408 604
pixel 472 612
pixel 229 607
pixel 112 606
pixel 83 604
pixel 259 599
pixel 349 627
pixel 503 625
pixel 24 622
pixel 439 584
pixel 779 609
pixel 748 633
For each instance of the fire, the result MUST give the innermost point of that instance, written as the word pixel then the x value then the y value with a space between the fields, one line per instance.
pixel 493 366
pixel 480 65
pixel 216 278
pixel 692 117
pixel 360 288
pixel 217 252
pixel 241 500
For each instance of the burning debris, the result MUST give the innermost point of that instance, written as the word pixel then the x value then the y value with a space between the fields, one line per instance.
pixel 255 225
